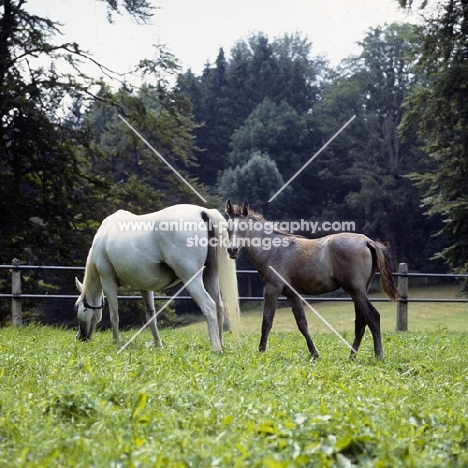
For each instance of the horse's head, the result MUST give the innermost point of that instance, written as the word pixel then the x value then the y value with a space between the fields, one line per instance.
pixel 236 232
pixel 88 315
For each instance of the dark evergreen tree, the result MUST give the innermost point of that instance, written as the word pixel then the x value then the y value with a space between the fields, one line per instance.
pixel 280 72
pixel 41 186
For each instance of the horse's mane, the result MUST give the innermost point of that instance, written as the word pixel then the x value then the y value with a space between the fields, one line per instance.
pixel 237 210
pixel 91 276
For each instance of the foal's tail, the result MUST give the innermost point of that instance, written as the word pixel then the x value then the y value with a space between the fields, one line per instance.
pixel 382 258
pixel 227 272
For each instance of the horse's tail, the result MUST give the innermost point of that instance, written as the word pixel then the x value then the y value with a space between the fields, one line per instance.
pixel 382 258
pixel 226 271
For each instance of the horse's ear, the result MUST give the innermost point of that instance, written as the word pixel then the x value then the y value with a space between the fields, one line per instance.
pixel 79 285
pixel 245 208
pixel 229 210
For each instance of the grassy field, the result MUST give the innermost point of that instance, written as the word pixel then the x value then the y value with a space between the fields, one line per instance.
pixel 422 316
pixel 65 403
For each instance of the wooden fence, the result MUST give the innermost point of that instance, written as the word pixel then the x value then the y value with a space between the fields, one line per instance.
pixel 402 275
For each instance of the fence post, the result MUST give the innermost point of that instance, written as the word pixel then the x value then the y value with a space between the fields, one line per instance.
pixel 16 309
pixel 402 305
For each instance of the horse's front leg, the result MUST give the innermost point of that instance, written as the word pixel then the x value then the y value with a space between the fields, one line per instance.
pixel 270 296
pixel 114 319
pixel 110 290
pixel 148 299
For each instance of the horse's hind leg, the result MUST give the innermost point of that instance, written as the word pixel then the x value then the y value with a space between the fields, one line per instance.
pixel 207 305
pixel 365 311
pixel 210 278
pixel 148 299
pixel 299 315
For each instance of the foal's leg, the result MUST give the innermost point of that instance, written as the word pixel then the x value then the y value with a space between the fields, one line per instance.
pixel 359 329
pixel 148 299
pixel 299 315
pixel 372 320
pixel 270 296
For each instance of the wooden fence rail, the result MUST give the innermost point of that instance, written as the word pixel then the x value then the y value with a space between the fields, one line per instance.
pixel 16 295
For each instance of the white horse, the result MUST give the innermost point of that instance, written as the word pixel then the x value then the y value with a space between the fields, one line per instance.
pixel 156 251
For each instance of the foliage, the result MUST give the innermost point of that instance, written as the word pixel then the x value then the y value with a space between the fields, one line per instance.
pixel 82 404
pixel 372 160
pixel 141 10
pixel 437 110
pixel 141 181
pixel 279 72
pixel 266 99
pixel 40 184
pixel 66 159
pixel 276 129
pixel 257 180
pixel 53 172
pixel 286 136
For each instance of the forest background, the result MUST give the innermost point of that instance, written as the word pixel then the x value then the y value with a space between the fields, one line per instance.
pixel 241 129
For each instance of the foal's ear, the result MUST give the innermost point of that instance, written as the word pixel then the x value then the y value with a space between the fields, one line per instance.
pixel 79 285
pixel 229 209
pixel 245 208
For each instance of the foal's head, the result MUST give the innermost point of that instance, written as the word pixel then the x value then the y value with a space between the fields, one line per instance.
pixel 236 214
pixel 88 315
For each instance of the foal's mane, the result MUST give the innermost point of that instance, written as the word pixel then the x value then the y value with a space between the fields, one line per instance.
pixel 256 216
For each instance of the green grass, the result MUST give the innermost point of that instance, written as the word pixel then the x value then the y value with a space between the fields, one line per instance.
pixel 65 403
pixel 421 316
